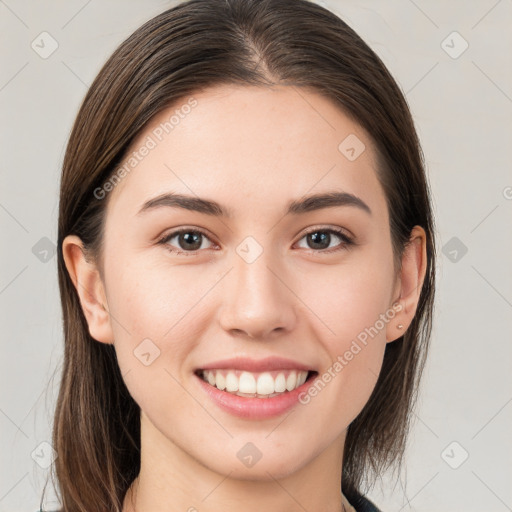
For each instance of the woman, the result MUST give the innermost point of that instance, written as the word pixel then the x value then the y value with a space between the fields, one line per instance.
pixel 246 266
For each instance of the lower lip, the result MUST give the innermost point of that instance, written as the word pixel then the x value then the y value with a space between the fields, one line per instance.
pixel 254 408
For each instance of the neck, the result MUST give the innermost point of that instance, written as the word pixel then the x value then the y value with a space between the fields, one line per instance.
pixel 171 480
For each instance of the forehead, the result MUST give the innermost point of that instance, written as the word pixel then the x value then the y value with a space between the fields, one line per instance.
pixel 249 146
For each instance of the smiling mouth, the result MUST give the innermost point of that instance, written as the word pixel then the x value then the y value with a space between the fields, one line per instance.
pixel 256 384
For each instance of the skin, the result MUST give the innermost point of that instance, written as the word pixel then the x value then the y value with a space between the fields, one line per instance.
pixel 252 150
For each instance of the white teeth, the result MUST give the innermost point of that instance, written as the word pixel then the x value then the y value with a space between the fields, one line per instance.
pixel 301 378
pixel 247 383
pixel 280 383
pixel 231 381
pixel 219 381
pixel 291 381
pixel 265 384
pixel 261 385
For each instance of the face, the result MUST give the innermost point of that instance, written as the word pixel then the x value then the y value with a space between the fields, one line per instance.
pixel 261 296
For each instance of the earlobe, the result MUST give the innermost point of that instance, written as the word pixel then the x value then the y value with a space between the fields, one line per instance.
pixel 412 275
pixel 90 289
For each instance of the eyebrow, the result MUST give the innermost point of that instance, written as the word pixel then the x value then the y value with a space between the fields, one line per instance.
pixel 296 207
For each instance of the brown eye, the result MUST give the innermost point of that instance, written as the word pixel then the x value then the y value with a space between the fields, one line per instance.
pixel 321 239
pixel 187 240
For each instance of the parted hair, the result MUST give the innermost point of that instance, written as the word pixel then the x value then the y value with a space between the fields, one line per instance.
pixel 190 47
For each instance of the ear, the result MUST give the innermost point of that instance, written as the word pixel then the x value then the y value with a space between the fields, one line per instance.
pixel 409 283
pixel 89 286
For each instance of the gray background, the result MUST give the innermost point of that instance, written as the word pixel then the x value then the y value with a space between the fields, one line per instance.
pixel 462 105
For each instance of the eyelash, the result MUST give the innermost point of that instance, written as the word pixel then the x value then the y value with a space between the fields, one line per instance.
pixel 347 242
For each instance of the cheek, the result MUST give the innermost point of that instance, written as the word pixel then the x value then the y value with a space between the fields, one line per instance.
pixel 153 301
pixel 155 320
pixel 349 298
pixel 352 308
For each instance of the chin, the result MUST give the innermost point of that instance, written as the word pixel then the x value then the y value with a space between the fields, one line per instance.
pixel 264 468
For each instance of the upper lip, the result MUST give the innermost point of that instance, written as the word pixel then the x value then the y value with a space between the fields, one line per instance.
pixel 256 365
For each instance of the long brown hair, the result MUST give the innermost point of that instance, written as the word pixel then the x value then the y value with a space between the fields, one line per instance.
pixel 190 47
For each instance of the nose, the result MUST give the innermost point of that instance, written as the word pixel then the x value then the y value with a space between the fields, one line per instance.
pixel 257 302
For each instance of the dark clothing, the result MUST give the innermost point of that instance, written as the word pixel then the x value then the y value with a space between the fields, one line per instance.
pixel 362 504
